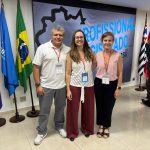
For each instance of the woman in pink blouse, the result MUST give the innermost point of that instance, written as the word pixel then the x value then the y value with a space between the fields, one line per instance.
pixel 107 83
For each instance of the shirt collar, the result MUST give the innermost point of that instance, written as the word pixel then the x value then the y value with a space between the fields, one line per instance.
pixel 52 46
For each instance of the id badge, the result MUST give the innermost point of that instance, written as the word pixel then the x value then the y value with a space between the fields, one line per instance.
pixel 59 68
pixel 85 77
pixel 105 79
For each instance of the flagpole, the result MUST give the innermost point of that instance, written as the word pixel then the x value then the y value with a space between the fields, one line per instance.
pixel 33 112
pixel 2 3
pixel 17 118
pixel 2 121
pixel 140 88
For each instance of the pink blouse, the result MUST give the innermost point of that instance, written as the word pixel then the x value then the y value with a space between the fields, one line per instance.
pixel 112 66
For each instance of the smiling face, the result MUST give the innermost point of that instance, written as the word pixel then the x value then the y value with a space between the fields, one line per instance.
pixel 57 38
pixel 79 39
pixel 108 42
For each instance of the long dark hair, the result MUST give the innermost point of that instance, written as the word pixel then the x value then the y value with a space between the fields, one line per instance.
pixel 74 54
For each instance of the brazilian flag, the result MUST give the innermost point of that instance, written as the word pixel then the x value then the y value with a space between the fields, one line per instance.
pixel 23 60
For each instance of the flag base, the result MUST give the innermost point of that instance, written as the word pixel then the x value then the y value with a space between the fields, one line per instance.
pixel 144 87
pixel 140 88
pixel 33 113
pixel 17 118
pixel 2 121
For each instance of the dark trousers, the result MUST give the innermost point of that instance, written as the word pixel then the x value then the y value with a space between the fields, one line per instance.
pixel 105 101
pixel 87 112
pixel 148 88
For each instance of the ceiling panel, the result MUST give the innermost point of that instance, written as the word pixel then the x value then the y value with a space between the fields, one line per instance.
pixel 139 4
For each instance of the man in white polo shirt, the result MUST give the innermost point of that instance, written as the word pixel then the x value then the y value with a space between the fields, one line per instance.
pixel 49 76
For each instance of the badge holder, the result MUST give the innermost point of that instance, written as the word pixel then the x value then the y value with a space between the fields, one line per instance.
pixel 105 79
pixel 59 68
pixel 84 77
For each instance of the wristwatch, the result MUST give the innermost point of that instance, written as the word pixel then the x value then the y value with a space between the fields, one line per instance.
pixel 37 85
pixel 119 87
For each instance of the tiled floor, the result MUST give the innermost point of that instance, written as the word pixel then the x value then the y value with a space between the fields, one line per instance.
pixel 130 130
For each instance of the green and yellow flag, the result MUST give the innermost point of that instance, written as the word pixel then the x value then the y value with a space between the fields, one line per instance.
pixel 23 60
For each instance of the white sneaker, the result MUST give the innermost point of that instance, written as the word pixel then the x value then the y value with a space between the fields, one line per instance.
pixel 39 138
pixel 63 133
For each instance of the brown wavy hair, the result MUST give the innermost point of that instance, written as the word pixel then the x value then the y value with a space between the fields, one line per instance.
pixel 107 34
pixel 74 54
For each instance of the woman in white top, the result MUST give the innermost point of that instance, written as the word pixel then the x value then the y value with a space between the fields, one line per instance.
pixel 80 86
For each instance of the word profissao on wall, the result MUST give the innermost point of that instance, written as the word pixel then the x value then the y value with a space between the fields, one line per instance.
pixel 120 28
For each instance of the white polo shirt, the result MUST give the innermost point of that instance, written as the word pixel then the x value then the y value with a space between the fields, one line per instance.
pixel 47 59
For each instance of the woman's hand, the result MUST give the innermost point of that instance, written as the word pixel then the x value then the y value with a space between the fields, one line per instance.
pixel 69 95
pixel 116 94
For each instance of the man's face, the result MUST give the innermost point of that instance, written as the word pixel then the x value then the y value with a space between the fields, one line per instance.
pixel 57 38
